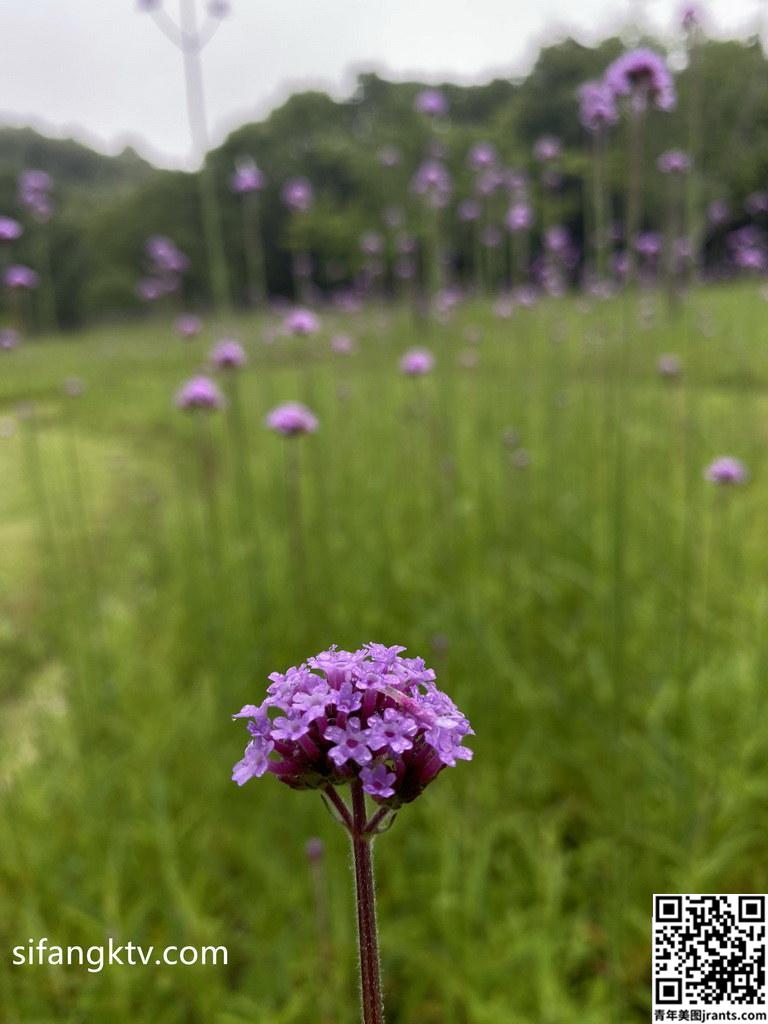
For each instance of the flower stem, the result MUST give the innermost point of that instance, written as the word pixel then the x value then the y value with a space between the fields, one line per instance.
pixel 370 979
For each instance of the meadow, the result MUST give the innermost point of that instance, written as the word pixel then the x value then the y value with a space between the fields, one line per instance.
pixel 532 518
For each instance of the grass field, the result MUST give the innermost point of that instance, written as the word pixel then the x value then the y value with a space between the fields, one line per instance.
pixel 537 526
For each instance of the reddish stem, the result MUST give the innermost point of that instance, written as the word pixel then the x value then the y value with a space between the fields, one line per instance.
pixel 370 979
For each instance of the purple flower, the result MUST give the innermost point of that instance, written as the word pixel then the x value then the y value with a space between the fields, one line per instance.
pixel 674 161
pixel 597 107
pixel 298 194
pixel 643 76
pixel 417 362
pixel 350 743
pixel 34 193
pixel 433 182
pixel 291 419
pixel 519 217
pixel 165 257
pixel 648 245
pixel 199 393
pixel 228 354
pixel 547 149
pixel 301 322
pixel 342 345
pixel 371 715
pixel 247 178
pixel 10 229
pixel 431 102
pixel 379 781
pixel 690 17
pixel 9 339
pixel 482 156
pixel 726 470
pixel 21 277
pixel 188 325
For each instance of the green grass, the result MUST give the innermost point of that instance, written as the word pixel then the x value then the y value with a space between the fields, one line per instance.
pixel 600 613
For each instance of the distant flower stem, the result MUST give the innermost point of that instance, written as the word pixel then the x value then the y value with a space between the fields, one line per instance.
pixel 635 182
pixel 370 977
pixel 211 214
pixel 598 199
pixel 254 250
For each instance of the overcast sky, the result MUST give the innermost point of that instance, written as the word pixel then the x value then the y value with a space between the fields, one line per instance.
pixel 101 71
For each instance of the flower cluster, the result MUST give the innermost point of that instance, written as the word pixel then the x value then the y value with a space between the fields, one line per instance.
pixel 199 393
pixel 10 229
pixel 247 178
pixel 417 362
pixel 370 714
pixel 19 277
pixel 292 418
pixel 301 322
pixel 597 107
pixel 431 102
pixel 674 161
pixel 35 194
pixel 644 77
pixel 726 470
pixel 228 354
pixel 433 183
pixel 298 194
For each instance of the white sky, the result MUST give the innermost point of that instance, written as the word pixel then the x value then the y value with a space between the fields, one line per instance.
pixel 101 71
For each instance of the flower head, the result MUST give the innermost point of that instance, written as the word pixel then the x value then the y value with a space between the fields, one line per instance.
pixel 417 362
pixel 291 419
pixel 481 156
pixel 597 106
pixel 19 277
pixel 301 322
pixel 519 217
pixel 431 102
pixel 188 325
pixel 547 148
pixel 674 161
pixel 643 76
pixel 370 715
pixel 298 194
pixel 342 344
pixel 10 229
pixel 726 470
pixel 199 393
pixel 165 257
pixel 247 178
pixel 228 354
pixel 433 182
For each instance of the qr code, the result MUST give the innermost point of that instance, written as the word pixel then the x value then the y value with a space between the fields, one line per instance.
pixel 709 953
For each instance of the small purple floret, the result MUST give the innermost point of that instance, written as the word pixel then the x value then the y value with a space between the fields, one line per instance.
pixel 291 419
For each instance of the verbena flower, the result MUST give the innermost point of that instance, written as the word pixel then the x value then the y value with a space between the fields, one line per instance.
pixel 643 76
pixel 547 148
pixel 188 325
pixel 519 217
pixel 597 106
pixel 199 393
pixel 298 194
pixel 10 229
pixel 370 715
pixel 165 256
pixel 431 102
pixel 417 362
pixel 19 277
pixel 726 470
pixel 669 365
pixel 433 183
pixel 247 178
pixel 342 345
pixel 301 322
pixel 291 419
pixel 371 243
pixel 481 156
pixel 468 210
pixel 674 161
pixel 228 354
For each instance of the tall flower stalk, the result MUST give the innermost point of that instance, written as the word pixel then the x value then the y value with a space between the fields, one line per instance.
pixel 371 720
pixel 191 37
